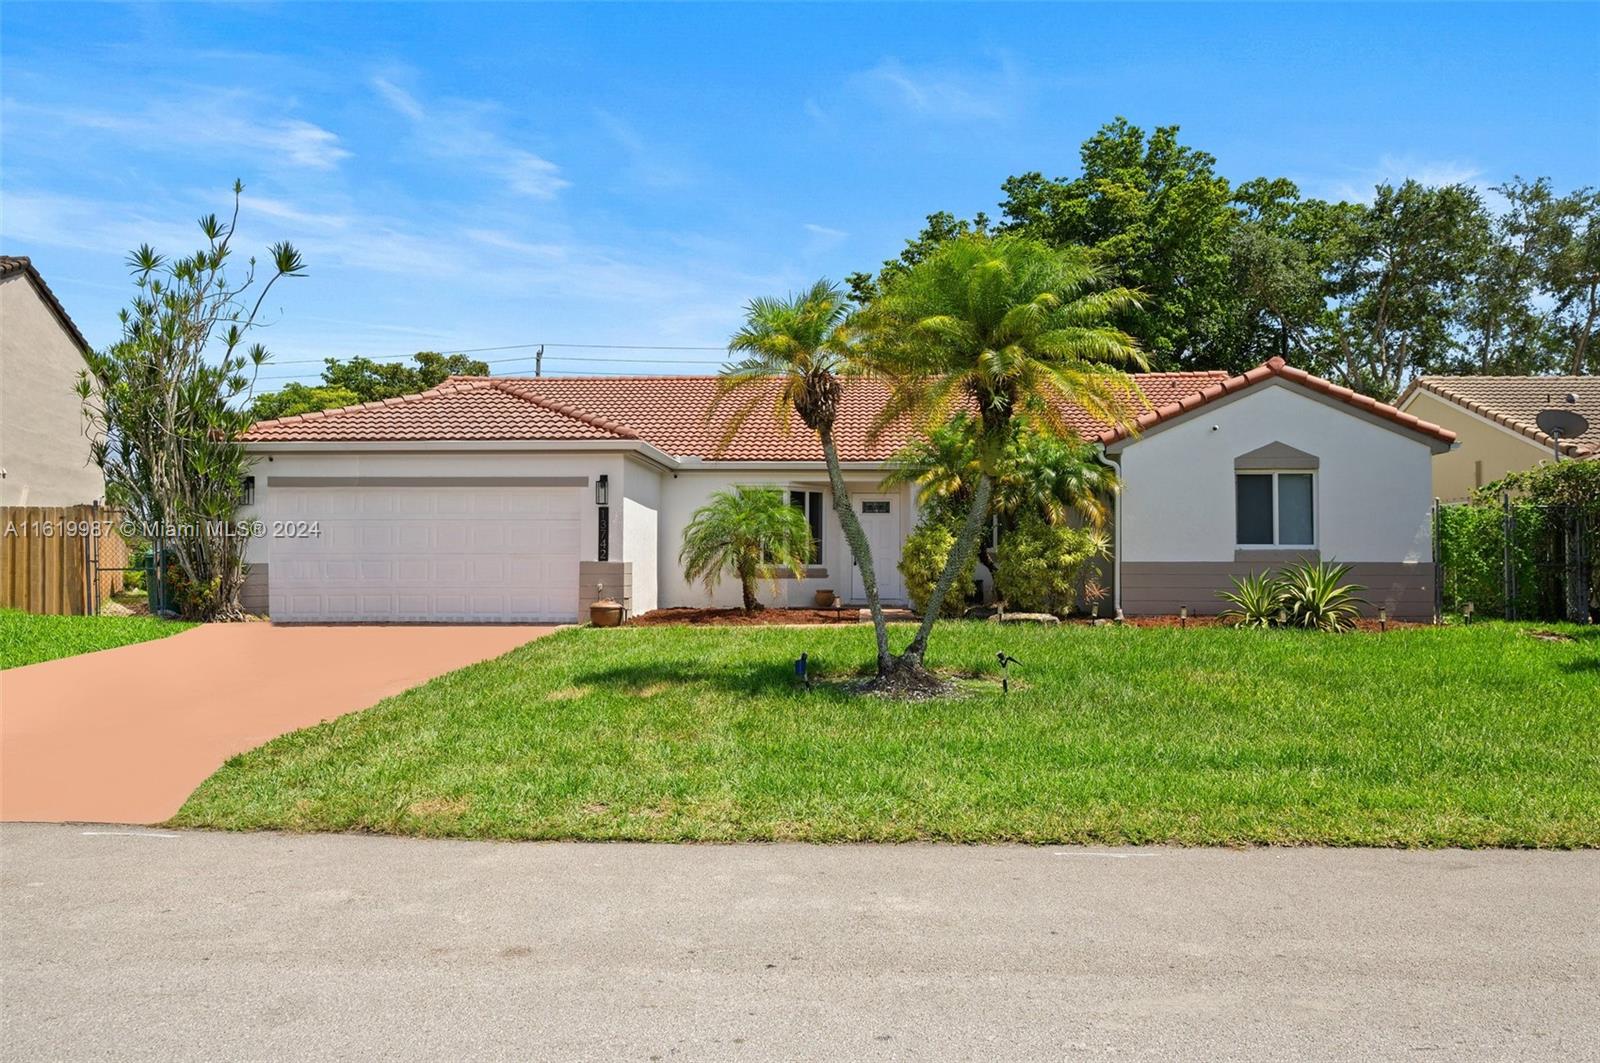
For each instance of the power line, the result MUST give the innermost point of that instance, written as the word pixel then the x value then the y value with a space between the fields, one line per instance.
pixel 518 347
pixel 524 358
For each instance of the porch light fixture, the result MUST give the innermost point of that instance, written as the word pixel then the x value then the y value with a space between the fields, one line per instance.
pixel 249 491
pixel 602 490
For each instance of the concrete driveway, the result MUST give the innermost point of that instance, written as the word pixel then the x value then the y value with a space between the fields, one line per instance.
pixel 167 945
pixel 124 735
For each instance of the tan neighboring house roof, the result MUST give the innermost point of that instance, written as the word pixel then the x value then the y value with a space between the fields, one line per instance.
pixel 13 264
pixel 1277 368
pixel 1514 402
pixel 677 415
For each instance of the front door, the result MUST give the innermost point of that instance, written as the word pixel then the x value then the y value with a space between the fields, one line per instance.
pixel 880 520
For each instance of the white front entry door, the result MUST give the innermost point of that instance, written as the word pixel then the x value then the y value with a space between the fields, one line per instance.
pixel 420 553
pixel 880 520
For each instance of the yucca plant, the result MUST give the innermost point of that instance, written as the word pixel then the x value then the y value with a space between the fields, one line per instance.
pixel 1315 596
pixel 1257 600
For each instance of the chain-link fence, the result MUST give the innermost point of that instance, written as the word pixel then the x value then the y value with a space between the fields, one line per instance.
pixel 1519 559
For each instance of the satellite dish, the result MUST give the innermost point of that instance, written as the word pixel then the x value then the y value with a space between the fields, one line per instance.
pixel 1562 424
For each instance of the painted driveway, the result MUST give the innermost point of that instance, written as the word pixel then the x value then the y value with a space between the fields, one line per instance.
pixel 124 735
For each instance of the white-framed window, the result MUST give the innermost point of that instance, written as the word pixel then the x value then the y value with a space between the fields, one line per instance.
pixel 1275 508
pixel 810 503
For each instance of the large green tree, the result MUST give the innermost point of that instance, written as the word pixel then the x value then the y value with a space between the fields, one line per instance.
pixel 794 352
pixel 1011 329
pixel 349 381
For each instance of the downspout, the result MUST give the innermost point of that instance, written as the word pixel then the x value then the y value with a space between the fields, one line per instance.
pixel 1116 532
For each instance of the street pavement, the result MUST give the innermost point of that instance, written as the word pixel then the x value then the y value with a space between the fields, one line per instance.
pixel 138 944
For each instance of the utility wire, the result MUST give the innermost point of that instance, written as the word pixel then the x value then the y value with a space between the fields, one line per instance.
pixel 518 347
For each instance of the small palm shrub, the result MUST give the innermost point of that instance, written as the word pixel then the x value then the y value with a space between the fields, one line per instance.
pixel 751 532
pixel 1316 596
pixel 1257 600
pixel 1307 595
pixel 922 560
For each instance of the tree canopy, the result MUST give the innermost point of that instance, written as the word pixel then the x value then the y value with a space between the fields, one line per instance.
pixel 355 380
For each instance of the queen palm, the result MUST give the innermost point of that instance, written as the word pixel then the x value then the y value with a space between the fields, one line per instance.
pixel 795 351
pixel 1010 329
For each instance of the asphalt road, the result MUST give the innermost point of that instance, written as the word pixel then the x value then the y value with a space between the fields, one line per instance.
pixel 121 943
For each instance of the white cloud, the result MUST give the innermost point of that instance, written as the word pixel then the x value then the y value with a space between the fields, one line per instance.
pixel 457 131
pixel 945 93
pixel 204 119
pixel 649 164
pixel 1358 185
pixel 823 238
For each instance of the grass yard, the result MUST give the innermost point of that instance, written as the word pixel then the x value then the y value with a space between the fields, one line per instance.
pixel 26 638
pixel 1477 736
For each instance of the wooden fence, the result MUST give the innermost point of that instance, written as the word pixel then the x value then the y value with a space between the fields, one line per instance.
pixel 49 558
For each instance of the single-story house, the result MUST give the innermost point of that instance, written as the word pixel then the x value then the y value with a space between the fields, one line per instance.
pixel 517 499
pixel 45 457
pixel 1495 419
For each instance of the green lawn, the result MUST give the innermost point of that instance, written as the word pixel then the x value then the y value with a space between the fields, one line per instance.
pixel 26 638
pixel 1422 737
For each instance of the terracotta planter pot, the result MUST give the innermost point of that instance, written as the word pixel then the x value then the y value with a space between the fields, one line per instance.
pixel 825 599
pixel 605 613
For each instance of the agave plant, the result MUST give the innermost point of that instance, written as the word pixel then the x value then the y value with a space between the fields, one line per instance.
pixel 1257 601
pixel 1316 596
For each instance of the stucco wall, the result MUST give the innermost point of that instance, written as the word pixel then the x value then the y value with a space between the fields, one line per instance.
pixel 686 491
pixel 641 505
pixel 1373 490
pixel 1487 451
pixel 43 448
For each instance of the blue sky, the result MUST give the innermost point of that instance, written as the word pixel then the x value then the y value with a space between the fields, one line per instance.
pixel 464 176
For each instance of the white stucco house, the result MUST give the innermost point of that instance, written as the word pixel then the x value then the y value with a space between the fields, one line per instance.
pixel 515 499
pixel 45 458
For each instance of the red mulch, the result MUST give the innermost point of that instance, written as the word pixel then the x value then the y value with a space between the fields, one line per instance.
pixel 767 617
pixel 740 618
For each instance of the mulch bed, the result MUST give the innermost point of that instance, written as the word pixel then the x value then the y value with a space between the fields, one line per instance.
pixel 769 617
pixel 740 618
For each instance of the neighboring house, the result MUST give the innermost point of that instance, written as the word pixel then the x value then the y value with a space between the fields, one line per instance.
pixel 44 453
pixel 1495 419
pixel 513 499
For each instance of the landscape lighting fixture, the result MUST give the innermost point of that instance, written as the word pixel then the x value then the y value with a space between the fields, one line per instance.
pixel 1466 612
pixel 1183 616
pixel 1383 619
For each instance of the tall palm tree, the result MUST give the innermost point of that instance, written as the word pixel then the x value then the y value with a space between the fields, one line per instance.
pixel 751 532
pixel 795 351
pixel 1011 329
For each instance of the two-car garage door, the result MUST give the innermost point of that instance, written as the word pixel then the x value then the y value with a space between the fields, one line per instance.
pixel 413 552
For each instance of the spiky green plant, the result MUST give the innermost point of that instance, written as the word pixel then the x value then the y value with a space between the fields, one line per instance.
pixel 1257 600
pixel 750 531
pixel 1315 596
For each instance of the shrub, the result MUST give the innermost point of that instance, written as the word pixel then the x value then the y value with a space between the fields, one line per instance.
pixel 1315 597
pixel 1257 599
pixel 922 559
pixel 1040 563
pixel 1307 595
pixel 749 532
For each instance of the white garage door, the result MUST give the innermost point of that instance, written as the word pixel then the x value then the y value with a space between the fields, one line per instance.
pixel 420 553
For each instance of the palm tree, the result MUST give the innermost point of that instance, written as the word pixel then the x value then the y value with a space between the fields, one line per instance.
pixel 1053 476
pixel 1012 329
pixel 751 531
pixel 795 351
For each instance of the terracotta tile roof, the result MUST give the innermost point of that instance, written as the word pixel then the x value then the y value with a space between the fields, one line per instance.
pixel 1515 402
pixel 1277 367
pixel 465 409
pixel 668 412
pixel 11 264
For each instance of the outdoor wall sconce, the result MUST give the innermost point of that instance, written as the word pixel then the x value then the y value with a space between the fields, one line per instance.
pixel 249 491
pixel 602 490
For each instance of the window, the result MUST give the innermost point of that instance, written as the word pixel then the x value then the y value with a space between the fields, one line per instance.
pixel 1275 509
pixel 810 503
pixel 880 506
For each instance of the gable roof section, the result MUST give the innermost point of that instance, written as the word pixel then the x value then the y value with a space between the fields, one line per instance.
pixel 466 409
pixel 670 413
pixel 11 265
pixel 1278 369
pixel 1514 402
